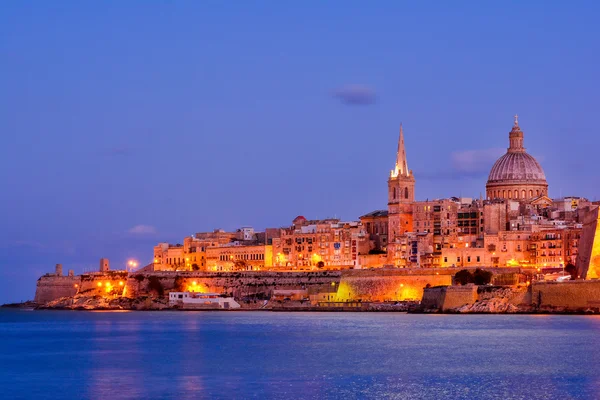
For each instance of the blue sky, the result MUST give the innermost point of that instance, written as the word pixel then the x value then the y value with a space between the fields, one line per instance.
pixel 128 123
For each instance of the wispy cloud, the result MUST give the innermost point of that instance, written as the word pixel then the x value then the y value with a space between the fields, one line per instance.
pixel 467 164
pixel 356 95
pixel 475 161
pixel 142 230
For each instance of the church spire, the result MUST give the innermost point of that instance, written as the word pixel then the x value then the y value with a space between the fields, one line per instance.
pixel 401 168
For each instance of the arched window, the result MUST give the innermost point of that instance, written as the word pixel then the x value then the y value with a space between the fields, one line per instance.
pixel 509 194
pixel 530 193
pixel 504 194
pixel 394 193
pixel 516 194
pixel 406 193
pixel 537 192
pixel 523 194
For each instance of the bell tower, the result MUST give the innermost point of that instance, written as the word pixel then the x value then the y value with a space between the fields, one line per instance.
pixel 401 194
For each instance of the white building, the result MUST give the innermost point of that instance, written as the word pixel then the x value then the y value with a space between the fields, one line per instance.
pixel 191 300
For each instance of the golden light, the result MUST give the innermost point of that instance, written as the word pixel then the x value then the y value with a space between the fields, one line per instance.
pixel 402 285
pixel 528 283
pixel 99 284
pixel 332 283
pixel 187 259
pixel 76 285
pixel 107 284
pixel 121 283
pixel 194 283
pixel 155 260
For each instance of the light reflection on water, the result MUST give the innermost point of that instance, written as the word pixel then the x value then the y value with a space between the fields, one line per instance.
pixel 297 355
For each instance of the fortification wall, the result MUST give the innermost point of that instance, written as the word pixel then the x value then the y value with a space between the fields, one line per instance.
pixel 51 287
pixel 571 295
pixel 346 285
pixel 391 285
pixel 448 297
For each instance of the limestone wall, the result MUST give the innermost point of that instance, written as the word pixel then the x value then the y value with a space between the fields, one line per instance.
pixel 448 297
pixel 386 285
pixel 571 295
pixel 51 287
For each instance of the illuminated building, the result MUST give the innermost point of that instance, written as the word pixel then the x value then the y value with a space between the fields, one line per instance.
pixel 516 175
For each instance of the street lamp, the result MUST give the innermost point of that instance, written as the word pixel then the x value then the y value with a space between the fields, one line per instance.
pixel 132 264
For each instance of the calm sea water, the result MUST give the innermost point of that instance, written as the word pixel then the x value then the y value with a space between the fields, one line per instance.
pixel 237 355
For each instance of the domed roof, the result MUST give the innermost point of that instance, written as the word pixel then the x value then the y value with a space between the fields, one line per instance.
pixel 516 164
pixel 517 167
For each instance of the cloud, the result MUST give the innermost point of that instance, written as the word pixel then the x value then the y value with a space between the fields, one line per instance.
pixel 475 161
pixel 356 95
pixel 142 230
pixel 467 164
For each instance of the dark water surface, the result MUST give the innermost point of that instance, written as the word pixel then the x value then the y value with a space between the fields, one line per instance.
pixel 188 355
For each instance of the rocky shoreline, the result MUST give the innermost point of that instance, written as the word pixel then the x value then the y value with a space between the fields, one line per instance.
pixel 497 304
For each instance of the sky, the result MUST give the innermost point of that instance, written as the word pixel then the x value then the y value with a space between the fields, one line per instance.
pixel 125 124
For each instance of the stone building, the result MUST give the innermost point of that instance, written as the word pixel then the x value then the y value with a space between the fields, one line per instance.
pixel 516 175
pixel 315 244
pixel 375 224
pixel 237 256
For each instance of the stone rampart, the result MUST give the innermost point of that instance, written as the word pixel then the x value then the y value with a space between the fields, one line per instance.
pixel 571 295
pixel 52 287
pixel 448 297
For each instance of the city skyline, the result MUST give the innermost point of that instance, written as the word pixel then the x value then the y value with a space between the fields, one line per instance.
pixel 108 158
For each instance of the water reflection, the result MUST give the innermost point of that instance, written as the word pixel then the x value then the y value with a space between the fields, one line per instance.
pixel 297 355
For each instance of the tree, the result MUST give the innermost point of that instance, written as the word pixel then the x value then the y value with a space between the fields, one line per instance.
pixel 482 277
pixel 572 270
pixel 195 267
pixel 320 264
pixel 463 277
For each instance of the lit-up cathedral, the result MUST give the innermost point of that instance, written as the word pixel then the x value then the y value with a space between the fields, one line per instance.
pixel 516 224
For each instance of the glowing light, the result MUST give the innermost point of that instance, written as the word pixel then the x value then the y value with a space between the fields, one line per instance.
pixel 107 284
pixel 76 285
pixel 402 285
pixel 194 283
pixel 121 283
pixel 332 283
pixel 99 284
pixel 155 260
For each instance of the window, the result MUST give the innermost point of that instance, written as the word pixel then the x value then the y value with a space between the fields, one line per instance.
pixel 469 259
pixel 457 259
pixel 445 259
pixel 406 193
pixel 478 258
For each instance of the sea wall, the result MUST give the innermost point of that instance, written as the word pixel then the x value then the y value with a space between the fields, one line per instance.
pixel 445 298
pixel 569 295
pixel 346 285
pixel 388 285
pixel 51 287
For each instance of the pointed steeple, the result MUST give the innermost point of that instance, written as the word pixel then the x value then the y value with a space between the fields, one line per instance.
pixel 401 168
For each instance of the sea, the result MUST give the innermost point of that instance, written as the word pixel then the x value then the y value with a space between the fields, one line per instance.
pixel 297 355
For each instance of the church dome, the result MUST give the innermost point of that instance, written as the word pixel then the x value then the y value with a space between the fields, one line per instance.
pixel 516 175
pixel 517 167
